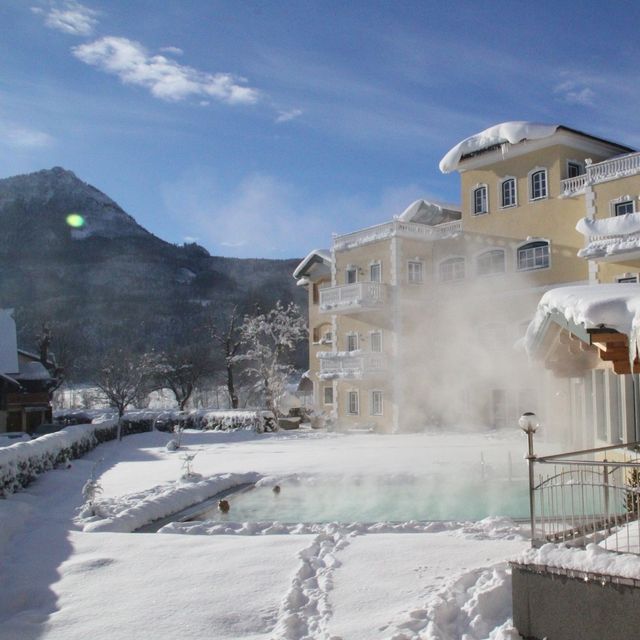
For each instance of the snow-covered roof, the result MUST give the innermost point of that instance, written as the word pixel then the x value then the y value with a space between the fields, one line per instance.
pixel 8 342
pixel 33 371
pixel 608 236
pixel 431 213
pixel 315 255
pixel 615 306
pixel 512 132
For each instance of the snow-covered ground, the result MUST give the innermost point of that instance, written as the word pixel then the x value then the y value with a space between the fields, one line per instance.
pixel 68 574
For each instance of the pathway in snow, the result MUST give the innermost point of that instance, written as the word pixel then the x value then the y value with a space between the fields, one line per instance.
pixel 315 583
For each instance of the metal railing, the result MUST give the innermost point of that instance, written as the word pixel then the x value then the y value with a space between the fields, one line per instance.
pixel 620 167
pixel 577 498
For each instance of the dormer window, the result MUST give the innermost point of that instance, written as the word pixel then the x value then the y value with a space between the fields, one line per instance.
pixel 508 192
pixel 538 182
pixel 480 200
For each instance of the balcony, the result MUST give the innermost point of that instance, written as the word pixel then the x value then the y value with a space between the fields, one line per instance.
pixel 611 238
pixel 351 298
pixel 620 167
pixel 351 364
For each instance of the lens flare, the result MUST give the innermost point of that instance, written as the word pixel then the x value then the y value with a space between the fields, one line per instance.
pixel 75 220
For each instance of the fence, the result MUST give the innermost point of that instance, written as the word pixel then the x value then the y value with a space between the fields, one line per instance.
pixel 591 495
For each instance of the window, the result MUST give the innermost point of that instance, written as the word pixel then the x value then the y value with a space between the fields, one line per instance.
pixel 574 169
pixel 352 342
pixel 508 192
pixel 622 208
pixel 534 255
pixel 376 403
pixel 539 184
pixel 353 407
pixel 376 341
pixel 328 395
pixel 452 270
pixel 480 200
pixel 375 272
pixel 628 277
pixel 351 275
pixel 490 262
pixel 414 271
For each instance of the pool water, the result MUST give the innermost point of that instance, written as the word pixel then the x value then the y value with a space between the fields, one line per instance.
pixel 375 500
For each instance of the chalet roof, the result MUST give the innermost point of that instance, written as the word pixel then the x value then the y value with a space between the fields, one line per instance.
pixel 575 327
pixel 314 257
pixel 8 342
pixel 509 132
pixel 431 213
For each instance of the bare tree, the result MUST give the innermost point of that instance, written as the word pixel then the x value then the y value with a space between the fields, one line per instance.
pixel 227 335
pixel 122 378
pixel 267 339
pixel 180 370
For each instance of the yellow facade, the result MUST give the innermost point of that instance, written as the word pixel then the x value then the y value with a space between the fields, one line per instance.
pixel 424 317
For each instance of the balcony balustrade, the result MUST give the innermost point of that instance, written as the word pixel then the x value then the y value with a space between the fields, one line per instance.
pixel 412 230
pixel 349 298
pixel 354 364
pixel 620 167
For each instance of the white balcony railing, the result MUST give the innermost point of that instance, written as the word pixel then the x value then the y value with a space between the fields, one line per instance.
pixel 353 297
pixel 610 237
pixel 397 228
pixel 351 365
pixel 620 167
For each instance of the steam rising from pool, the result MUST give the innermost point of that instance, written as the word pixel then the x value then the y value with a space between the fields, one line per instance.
pixel 358 498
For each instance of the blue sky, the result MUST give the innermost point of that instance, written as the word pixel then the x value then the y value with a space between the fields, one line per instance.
pixel 259 128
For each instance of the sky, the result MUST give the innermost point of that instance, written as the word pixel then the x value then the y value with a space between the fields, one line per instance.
pixel 257 129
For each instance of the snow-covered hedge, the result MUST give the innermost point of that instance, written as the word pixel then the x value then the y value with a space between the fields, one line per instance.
pixel 22 463
pixel 200 419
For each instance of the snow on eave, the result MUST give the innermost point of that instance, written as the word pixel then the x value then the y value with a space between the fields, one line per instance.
pixel 614 306
pixel 315 255
pixel 512 132
pixel 614 226
pixel 410 212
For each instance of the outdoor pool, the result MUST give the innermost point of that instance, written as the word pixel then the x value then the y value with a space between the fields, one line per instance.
pixel 377 499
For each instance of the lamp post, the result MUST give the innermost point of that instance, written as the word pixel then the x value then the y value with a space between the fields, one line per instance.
pixel 529 424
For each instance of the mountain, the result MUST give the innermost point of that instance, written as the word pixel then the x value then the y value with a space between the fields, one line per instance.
pixel 71 257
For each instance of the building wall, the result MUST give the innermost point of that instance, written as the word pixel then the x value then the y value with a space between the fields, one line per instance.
pixel 449 346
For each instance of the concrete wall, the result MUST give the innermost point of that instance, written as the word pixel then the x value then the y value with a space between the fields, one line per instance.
pixel 562 608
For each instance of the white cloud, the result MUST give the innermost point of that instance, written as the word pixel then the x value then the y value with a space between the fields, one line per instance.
pixel 285 116
pixel 19 137
pixel 70 17
pixel 164 78
pixel 575 92
pixel 177 51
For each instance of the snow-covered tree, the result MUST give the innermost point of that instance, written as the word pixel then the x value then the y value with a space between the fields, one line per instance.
pixel 268 338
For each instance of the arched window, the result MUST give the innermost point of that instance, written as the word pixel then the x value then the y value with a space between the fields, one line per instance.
pixel 451 270
pixel 534 255
pixel 490 262
pixel 508 192
pixel 480 200
pixel 538 184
